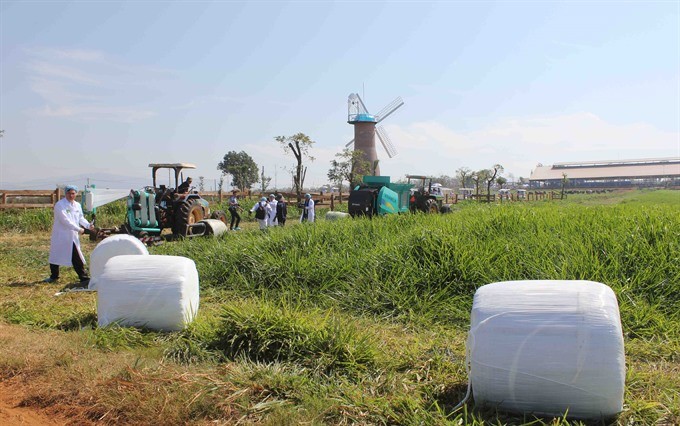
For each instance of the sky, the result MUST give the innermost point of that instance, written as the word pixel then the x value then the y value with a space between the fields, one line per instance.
pixel 100 89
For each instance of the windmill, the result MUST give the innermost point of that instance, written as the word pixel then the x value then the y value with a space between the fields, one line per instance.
pixel 365 129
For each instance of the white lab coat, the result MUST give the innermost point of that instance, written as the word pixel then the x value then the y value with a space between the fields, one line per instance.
pixel 271 217
pixel 310 211
pixel 68 218
pixel 267 212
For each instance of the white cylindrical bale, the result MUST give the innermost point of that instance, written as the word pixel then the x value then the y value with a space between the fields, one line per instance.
pixel 336 215
pixel 112 246
pixel 158 292
pixel 547 348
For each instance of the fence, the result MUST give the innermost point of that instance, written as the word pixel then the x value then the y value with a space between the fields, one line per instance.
pixel 28 198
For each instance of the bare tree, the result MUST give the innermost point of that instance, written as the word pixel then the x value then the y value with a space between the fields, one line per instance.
pixel 478 177
pixel 299 144
pixel 491 177
pixel 347 168
pixel 565 182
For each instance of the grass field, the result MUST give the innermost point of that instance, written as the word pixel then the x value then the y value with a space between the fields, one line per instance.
pixel 351 322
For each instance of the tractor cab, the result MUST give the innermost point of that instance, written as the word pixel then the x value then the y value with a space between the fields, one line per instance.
pixel 423 197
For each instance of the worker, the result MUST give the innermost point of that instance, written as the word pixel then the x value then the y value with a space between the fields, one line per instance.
pixel 69 224
pixel 183 188
pixel 307 209
pixel 261 210
pixel 271 218
pixel 281 210
pixel 234 207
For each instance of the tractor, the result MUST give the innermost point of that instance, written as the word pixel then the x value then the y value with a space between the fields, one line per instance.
pixel 153 209
pixel 423 196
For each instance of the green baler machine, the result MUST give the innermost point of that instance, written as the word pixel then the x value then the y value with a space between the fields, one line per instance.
pixel 377 196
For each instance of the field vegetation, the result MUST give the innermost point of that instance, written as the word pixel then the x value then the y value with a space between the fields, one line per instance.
pixel 342 322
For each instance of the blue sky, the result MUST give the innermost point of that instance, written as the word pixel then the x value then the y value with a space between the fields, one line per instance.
pixel 101 88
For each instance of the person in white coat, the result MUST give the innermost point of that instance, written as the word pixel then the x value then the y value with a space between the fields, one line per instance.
pixel 69 224
pixel 271 218
pixel 262 211
pixel 307 210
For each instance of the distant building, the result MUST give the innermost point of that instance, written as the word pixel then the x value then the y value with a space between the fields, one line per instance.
pixel 648 172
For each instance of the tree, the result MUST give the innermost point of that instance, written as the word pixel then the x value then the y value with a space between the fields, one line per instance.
pixel 241 167
pixel 201 183
pixel 463 174
pixel 299 144
pixel 446 181
pixel 500 180
pixel 264 180
pixel 491 177
pixel 478 177
pixel 565 182
pixel 346 168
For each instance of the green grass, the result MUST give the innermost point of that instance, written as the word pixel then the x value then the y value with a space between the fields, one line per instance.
pixel 365 321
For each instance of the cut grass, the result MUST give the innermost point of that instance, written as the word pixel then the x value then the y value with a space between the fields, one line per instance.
pixel 355 321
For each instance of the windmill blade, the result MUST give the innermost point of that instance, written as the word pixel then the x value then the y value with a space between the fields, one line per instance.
pixel 349 143
pixel 389 109
pixel 385 141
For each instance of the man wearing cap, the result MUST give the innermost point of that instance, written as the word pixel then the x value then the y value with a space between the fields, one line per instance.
pixel 69 224
pixel 233 211
pixel 307 210
pixel 271 218
pixel 261 210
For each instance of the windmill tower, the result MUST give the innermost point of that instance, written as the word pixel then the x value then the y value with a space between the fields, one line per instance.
pixel 365 129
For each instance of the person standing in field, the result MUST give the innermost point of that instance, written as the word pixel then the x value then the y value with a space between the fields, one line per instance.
pixel 69 224
pixel 281 210
pixel 261 210
pixel 307 210
pixel 271 217
pixel 233 211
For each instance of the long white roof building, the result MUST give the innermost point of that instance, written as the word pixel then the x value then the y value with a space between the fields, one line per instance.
pixel 647 168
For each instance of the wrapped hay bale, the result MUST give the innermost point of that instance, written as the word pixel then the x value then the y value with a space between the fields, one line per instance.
pixel 547 348
pixel 158 292
pixel 336 215
pixel 115 245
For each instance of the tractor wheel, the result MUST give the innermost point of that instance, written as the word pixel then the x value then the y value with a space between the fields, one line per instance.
pixel 221 216
pixel 187 213
pixel 446 208
pixel 431 206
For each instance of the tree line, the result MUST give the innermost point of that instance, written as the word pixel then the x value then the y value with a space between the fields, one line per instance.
pixel 348 166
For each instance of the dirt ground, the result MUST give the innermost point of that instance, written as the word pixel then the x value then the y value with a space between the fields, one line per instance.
pixel 14 410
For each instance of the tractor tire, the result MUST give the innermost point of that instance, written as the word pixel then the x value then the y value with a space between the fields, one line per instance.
pixel 431 206
pixel 187 213
pixel 446 208
pixel 221 216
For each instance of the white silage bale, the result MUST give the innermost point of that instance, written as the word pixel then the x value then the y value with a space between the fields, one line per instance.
pixel 547 347
pixel 336 215
pixel 112 246
pixel 158 292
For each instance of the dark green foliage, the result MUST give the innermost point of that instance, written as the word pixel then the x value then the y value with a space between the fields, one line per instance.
pixel 264 332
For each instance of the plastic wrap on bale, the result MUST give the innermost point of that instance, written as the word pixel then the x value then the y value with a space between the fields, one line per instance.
pixel 157 292
pixel 547 348
pixel 337 215
pixel 113 246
